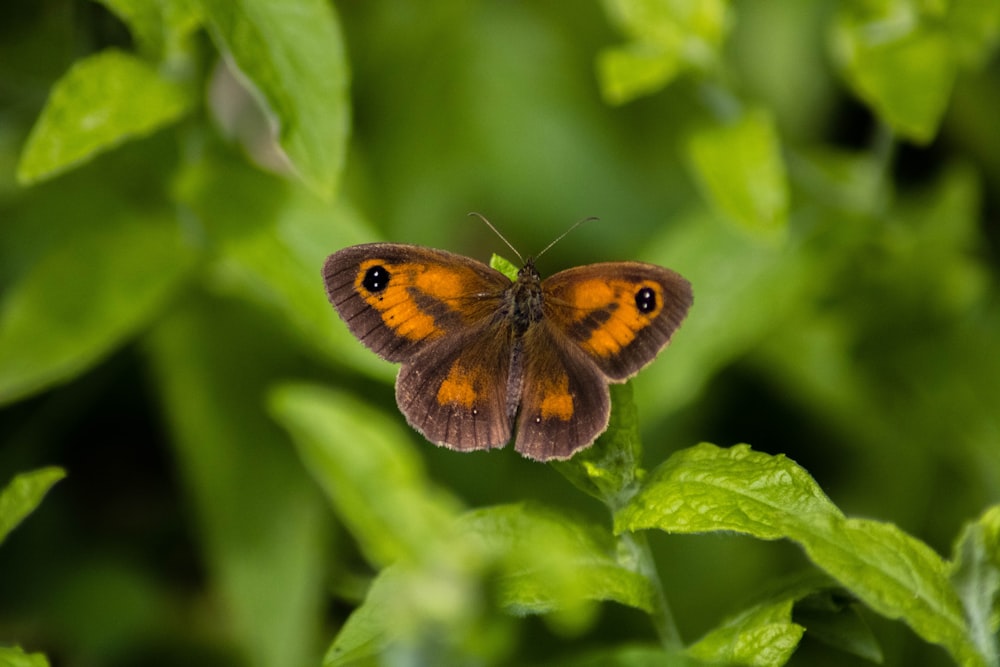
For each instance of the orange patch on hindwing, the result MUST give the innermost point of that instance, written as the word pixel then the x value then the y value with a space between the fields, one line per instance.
pixel 557 402
pixel 459 387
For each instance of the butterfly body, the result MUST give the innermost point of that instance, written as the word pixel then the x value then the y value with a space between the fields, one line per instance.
pixel 485 358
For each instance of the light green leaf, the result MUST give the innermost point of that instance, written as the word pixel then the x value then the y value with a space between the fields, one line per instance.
pixel 101 102
pixel 706 488
pixel 158 26
pixel 504 266
pixel 976 575
pixel 262 525
pixel 23 494
pixel 16 657
pixel 741 172
pixel 666 37
pixel 551 562
pixel 902 67
pixel 763 636
pixel 421 615
pixel 630 71
pixel 974 28
pixel 90 291
pixel 371 474
pixel 292 54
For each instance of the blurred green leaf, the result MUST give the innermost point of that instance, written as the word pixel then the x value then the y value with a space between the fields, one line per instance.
pixel 89 291
pixel 741 172
pixel 629 656
pixel 270 239
pixel 975 574
pixel 263 527
pixel 551 562
pixel 902 57
pixel 102 101
pixel 292 55
pixel 158 27
pixel 370 472
pixel 16 657
pixel 706 488
pixel 763 635
pixel 666 37
pixel 23 494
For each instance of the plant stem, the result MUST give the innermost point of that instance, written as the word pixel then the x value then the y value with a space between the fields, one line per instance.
pixel 637 549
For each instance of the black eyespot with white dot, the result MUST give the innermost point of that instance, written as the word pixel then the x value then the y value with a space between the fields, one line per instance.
pixel 645 300
pixel 376 279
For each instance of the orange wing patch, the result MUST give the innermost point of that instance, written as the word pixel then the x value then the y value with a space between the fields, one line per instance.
pixel 461 387
pixel 557 402
pixel 394 304
pixel 615 300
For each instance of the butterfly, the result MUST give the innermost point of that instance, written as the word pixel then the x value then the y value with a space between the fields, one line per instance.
pixel 484 357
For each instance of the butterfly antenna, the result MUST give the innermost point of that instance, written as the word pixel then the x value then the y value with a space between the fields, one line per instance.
pixel 560 237
pixel 497 232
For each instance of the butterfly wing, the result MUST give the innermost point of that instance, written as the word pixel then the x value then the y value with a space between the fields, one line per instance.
pixel 565 402
pixel 454 391
pixel 398 299
pixel 618 314
pixel 436 312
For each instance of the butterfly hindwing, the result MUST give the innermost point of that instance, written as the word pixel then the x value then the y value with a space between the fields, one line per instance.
pixel 565 402
pixel 454 391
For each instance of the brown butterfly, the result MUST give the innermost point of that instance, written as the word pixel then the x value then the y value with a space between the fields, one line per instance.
pixel 480 352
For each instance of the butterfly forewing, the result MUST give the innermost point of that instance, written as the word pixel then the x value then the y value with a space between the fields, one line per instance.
pixel 398 298
pixel 619 314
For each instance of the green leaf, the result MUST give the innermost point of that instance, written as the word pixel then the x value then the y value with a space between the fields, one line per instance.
pixel 263 526
pixel 504 266
pixel 371 474
pixel 158 27
pixel 101 102
pixel 665 38
pixel 741 172
pixel 829 618
pixel 88 292
pixel 23 494
pixel 609 469
pixel 706 488
pixel 551 562
pixel 902 66
pixel 16 657
pixel 292 54
pixel 270 244
pixel 421 615
pixel 631 656
pixel 974 28
pixel 975 573
pixel 763 635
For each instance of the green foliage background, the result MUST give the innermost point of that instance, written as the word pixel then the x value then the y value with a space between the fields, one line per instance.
pixel 239 487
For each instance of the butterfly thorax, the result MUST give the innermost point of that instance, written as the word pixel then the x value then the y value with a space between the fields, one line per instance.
pixel 523 300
